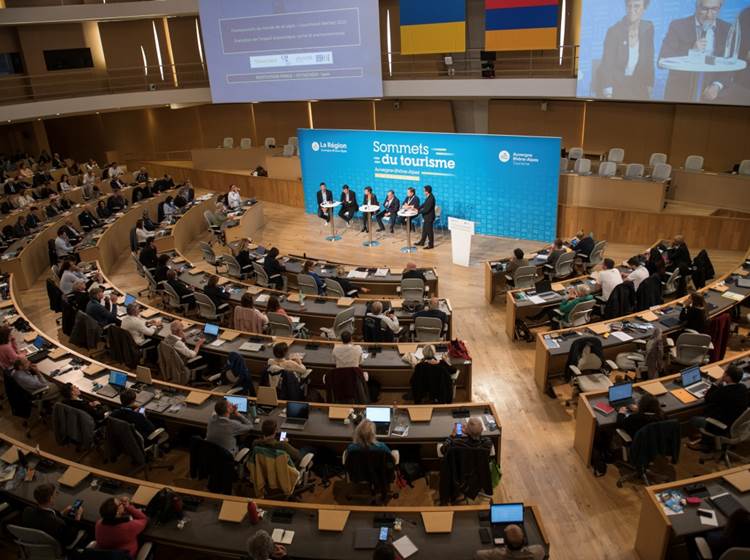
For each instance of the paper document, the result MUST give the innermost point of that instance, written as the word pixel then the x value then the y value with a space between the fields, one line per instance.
pixel 621 336
pixel 250 347
pixel 218 342
pixel 382 272
pixel 280 536
pixel 538 300
pixel 359 274
pixel 405 547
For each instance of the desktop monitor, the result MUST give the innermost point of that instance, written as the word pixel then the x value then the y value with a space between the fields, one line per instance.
pixel 128 300
pixel 378 414
pixel 690 376
pixel 240 402
pixel 506 513
pixel 118 378
pixel 297 410
pixel 621 392
pixel 212 330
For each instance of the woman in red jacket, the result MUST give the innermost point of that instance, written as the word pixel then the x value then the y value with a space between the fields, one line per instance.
pixel 120 525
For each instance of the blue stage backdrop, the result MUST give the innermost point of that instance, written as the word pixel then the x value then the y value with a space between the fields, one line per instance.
pixel 508 185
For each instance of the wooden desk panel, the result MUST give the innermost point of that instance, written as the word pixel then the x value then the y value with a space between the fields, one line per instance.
pixel 719 190
pixel 603 192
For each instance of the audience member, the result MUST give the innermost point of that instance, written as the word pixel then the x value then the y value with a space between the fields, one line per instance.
pixel 695 314
pixel 44 517
pixel 247 318
pixel 119 526
pixel 283 361
pixel 725 402
pixel 608 278
pixel 101 308
pixel 71 395
pixel 9 351
pixel 513 547
pixel 226 424
pixel 260 546
pixel 346 354
pixel 128 413
pixel 516 262
pixel 633 417
pixel 269 438
pixel 365 438
pixel 638 272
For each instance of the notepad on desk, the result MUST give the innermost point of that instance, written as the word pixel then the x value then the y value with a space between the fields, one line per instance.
pixel 740 480
pixel 282 536
pixel 251 347
pixel 624 337
pixel 405 547
pixel 262 299
pixel 229 335
pixel 537 300
pixel 733 296
pixel 604 408
pixel 683 396
pixel 73 477
pixel 655 388
pixel 649 316
pixel 382 272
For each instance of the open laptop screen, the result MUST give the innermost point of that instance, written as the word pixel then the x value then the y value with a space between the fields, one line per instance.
pixel 118 378
pixel 212 330
pixel 690 376
pixel 620 392
pixel 378 414
pixel 40 342
pixel 297 410
pixel 506 513
pixel 128 300
pixel 240 402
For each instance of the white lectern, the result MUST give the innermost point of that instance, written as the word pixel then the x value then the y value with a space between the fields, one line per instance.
pixel 461 232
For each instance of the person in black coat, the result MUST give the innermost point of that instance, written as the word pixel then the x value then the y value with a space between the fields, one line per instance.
pixel 584 245
pixel 427 211
pixel 44 517
pixel 433 310
pixel 695 315
pixel 725 402
pixel 87 220
pixel 101 309
pixel 116 203
pixel 184 292
pixel 71 395
pixel 162 267
pixel 324 195
pixel 148 255
pixel 102 211
pixel 678 254
pixel 694 33
pixel 215 292
pixel 432 380
pixel 368 198
pixel 127 413
pixel 619 76
pixel 390 208
pixel 632 418
pixel 272 266
pixel 348 204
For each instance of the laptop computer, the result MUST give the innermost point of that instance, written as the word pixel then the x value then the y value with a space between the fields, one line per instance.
pixel 123 309
pixel 117 382
pixel 41 352
pixel 297 414
pixel 381 417
pixel 143 375
pixel 502 515
pixel 266 400
pixel 620 395
pixel 239 402
pixel 210 332
pixel 743 282
pixel 693 383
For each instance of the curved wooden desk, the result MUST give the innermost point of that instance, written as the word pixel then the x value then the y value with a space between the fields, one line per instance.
pixel 717 190
pixel 612 192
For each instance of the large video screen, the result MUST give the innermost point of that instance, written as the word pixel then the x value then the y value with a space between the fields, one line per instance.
pixel 508 185
pixel 689 51
pixel 284 50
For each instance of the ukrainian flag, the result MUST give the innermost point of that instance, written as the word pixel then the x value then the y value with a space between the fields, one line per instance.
pixel 519 25
pixel 436 26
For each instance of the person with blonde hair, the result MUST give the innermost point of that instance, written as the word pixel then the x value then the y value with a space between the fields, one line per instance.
pixel 365 438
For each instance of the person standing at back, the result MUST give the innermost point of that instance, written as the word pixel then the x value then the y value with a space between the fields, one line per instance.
pixel 427 211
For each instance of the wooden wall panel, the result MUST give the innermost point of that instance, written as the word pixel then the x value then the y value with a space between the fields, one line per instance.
pixel 526 117
pixel 175 129
pixel 356 115
pixel 280 120
pixel 128 132
pixel 221 121
pixel 185 48
pixel 80 137
pixel 416 115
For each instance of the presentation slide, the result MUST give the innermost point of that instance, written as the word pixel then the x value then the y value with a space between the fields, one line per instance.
pixel 506 184
pixel 688 51
pixel 286 50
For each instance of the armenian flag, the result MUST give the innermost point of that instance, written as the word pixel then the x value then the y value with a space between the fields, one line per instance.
pixel 519 25
pixel 437 26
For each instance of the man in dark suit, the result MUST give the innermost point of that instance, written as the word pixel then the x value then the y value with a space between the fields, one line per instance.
pixel 390 208
pixel 411 201
pixel 324 195
pixel 348 204
pixel 705 32
pixel 369 198
pixel 44 518
pixel 679 254
pixel 739 92
pixel 427 211
pixel 411 271
pixel 101 309
pixel 72 397
pixel 127 413
pixel 433 310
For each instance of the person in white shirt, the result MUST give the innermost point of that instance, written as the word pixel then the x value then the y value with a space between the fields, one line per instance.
pixel 90 165
pixel 89 180
pixel 346 354
pixel 141 233
pixel 609 278
pixel 114 170
pixel 63 184
pixel 638 272
pixel 234 200
pixel 69 275
pixel 63 248
pixel 24 200
pixel 282 361
pixel 140 329
pixel 388 319
pixel 177 340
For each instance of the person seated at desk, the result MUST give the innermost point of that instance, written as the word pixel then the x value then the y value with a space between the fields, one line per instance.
pixel 140 329
pixel 141 233
pixel 308 268
pixel 216 293
pixel 346 354
pixel 88 221
pixel 583 244
pixel 102 210
pixel 725 402
pixel 28 377
pixel 63 185
pixel 24 199
pixel 225 425
pixel 283 361
pixel 556 251
pixel 100 308
pixel 163 184
pixel 735 534
pixel 411 271
pixel 433 379
pixel 273 267
pixel 116 203
pixel 512 548
pixel 119 526
pixel 638 272
pixel 184 292
pixel 63 247
pixel 247 318
pixel 472 436
pixel 69 275
pixel 9 351
pixel 147 257
pixel 162 268
pixel 348 205
pixel 270 438
pixel 74 235
pixel 89 184
pixel 220 215
pixel 274 306
pixel 32 218
pixel 517 261
pixel 608 278
pixel 678 254
pixel 633 417
pixel 365 438
pixel 43 517
pixel 116 184
pixel 573 296
pixel 71 395
pixel 260 546
pixel 695 314
pixel 241 252
pixel 21 229
pixel 388 319
pixel 433 310
pixel 176 339
pixel 390 209
pixel 128 412
pixel 234 199
pixel 368 199
pixel 140 176
pixel 324 196
pixel 79 296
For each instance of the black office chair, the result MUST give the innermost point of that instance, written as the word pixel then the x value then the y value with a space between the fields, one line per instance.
pixel 658 439
pixel 123 438
pixel 373 469
pixel 25 405
pixel 91 552
pixel 34 544
pixel 218 465
pixel 373 330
